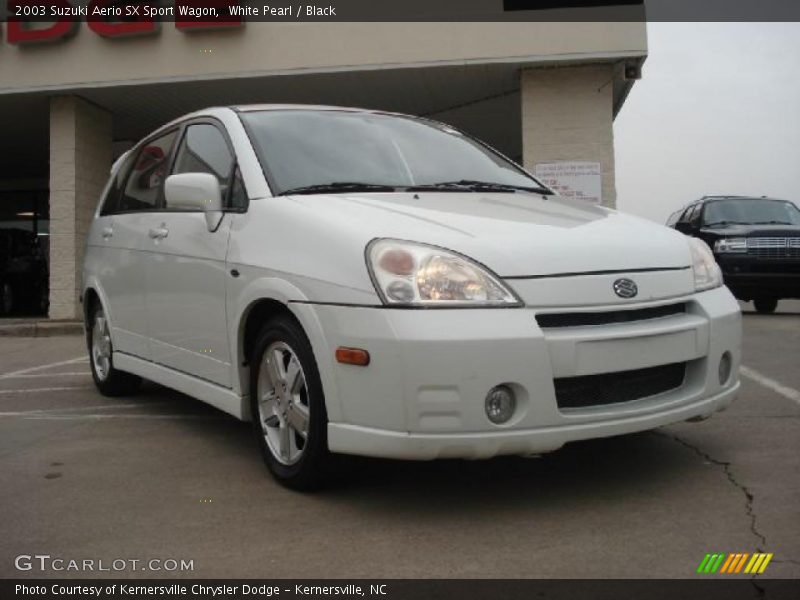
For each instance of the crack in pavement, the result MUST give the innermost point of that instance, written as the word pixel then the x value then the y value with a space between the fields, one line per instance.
pixel 726 468
pixel 748 505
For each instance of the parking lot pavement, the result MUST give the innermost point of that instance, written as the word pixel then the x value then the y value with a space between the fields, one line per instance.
pixel 159 475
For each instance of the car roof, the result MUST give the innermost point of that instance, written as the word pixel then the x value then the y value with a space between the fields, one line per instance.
pixel 311 107
pixel 704 198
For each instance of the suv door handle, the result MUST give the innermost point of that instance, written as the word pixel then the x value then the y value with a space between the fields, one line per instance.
pixel 107 232
pixel 159 233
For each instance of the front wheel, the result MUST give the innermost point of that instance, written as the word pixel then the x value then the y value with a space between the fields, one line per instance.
pixel 288 406
pixel 766 305
pixel 108 380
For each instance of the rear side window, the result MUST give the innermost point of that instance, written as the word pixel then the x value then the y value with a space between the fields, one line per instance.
pixel 687 214
pixel 204 150
pixel 111 200
pixel 146 179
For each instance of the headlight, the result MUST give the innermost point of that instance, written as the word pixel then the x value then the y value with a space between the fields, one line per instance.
pixel 707 273
pixel 412 274
pixel 726 245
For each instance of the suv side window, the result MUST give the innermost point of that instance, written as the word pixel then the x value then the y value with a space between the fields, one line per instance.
pixel 146 179
pixel 204 150
pixel 694 218
pixel 687 214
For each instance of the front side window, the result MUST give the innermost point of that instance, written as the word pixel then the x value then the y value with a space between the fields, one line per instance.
pixel 751 211
pixel 204 150
pixel 146 179
pixel 306 148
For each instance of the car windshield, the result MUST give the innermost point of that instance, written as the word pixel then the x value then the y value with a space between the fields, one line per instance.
pixel 310 150
pixel 751 211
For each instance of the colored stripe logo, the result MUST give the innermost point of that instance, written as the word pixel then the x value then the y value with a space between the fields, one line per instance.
pixel 737 562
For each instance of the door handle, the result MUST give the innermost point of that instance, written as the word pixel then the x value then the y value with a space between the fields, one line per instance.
pixel 107 232
pixel 159 233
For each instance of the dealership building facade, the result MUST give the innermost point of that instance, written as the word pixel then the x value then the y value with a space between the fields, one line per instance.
pixel 542 93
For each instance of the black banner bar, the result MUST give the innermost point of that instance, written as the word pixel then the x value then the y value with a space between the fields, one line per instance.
pixel 400 11
pixel 716 588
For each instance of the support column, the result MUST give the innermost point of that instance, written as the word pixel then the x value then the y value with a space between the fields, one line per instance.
pixel 568 115
pixel 80 159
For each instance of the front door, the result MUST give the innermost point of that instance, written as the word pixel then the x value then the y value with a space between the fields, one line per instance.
pixel 186 271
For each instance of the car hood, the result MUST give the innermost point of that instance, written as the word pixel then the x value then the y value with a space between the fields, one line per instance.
pixel 753 231
pixel 515 235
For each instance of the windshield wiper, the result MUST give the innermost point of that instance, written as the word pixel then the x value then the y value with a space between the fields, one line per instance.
pixel 339 186
pixel 478 186
pixel 772 223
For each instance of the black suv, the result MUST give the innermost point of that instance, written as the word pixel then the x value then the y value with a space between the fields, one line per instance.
pixel 756 242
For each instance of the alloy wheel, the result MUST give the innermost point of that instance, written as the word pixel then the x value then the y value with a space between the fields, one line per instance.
pixel 283 404
pixel 101 347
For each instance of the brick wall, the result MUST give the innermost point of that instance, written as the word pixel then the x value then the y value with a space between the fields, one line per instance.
pixel 567 114
pixel 80 159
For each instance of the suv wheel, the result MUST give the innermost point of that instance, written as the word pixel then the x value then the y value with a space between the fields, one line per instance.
pixel 766 305
pixel 288 406
pixel 108 380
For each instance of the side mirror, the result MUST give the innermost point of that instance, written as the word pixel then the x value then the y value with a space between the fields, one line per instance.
pixel 198 192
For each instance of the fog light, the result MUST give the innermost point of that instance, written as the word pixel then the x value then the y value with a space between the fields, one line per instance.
pixel 500 404
pixel 725 364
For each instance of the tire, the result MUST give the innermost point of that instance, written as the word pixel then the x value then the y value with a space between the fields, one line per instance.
pixel 766 305
pixel 288 406
pixel 108 380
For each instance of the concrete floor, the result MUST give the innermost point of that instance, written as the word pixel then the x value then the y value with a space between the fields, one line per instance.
pixel 160 475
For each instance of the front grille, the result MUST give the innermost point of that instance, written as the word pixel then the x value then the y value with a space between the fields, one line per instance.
pixel 773 247
pixel 607 317
pixel 613 388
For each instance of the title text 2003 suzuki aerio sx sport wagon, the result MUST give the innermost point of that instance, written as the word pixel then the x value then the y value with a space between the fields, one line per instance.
pixel 357 282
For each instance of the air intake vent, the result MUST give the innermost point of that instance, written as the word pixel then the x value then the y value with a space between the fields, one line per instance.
pixel 622 386
pixel 605 318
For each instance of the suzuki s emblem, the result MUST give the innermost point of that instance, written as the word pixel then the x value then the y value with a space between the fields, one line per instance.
pixel 625 288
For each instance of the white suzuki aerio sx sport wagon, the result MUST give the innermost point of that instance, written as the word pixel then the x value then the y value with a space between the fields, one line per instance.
pixel 359 282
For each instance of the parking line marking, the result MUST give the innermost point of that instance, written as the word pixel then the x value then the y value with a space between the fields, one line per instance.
pixel 46 411
pixel 71 361
pixel 777 387
pixel 48 389
pixel 98 417
pixel 38 375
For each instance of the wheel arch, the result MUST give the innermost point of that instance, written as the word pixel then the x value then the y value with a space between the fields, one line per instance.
pixel 262 300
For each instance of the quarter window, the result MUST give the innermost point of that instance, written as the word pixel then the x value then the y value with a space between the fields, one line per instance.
pixel 146 179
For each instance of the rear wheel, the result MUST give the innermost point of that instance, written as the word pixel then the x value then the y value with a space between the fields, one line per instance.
pixel 288 406
pixel 766 305
pixel 108 380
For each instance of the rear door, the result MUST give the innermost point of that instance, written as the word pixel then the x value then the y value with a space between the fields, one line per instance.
pixel 186 273
pixel 119 236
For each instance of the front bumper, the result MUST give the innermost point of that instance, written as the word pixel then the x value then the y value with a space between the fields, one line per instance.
pixel 750 278
pixel 353 439
pixel 422 396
